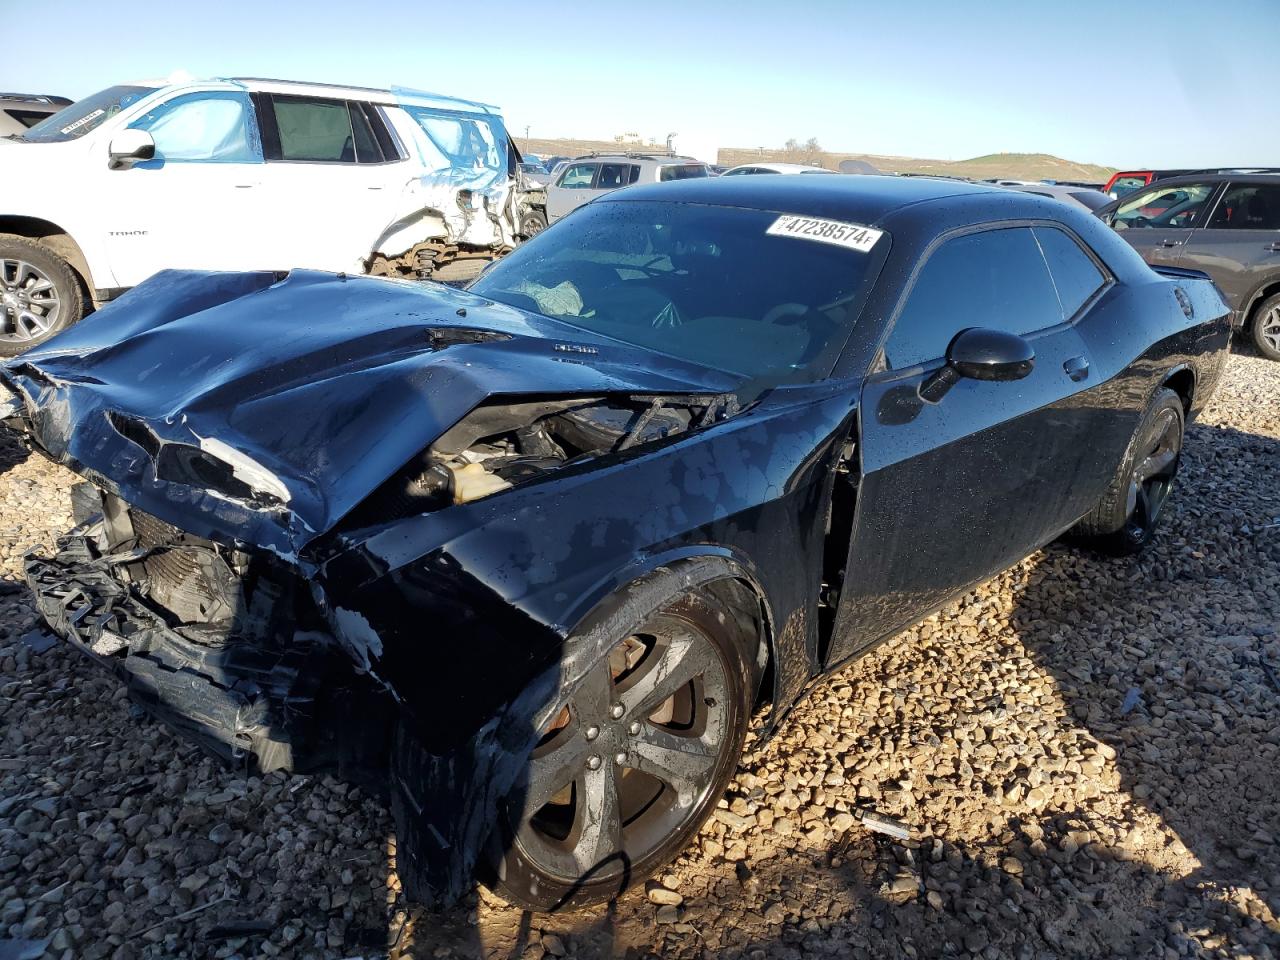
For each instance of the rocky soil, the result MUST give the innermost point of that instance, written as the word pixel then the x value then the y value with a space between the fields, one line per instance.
pixel 1086 751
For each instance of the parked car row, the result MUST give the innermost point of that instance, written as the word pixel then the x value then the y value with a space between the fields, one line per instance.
pixel 1226 225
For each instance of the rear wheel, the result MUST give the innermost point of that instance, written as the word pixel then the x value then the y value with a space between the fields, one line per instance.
pixel 1124 521
pixel 533 223
pixel 633 763
pixel 39 294
pixel 1266 327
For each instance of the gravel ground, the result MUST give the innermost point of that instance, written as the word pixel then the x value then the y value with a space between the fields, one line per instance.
pixel 1086 751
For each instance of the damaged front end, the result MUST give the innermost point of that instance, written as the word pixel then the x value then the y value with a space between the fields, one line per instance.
pixel 224 646
pixel 302 543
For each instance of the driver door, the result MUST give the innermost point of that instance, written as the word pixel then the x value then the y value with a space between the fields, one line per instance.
pixel 953 491
pixel 193 205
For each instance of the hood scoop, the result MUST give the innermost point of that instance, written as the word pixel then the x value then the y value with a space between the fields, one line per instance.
pixel 441 337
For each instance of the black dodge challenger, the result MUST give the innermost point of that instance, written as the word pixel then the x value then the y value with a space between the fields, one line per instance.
pixel 532 554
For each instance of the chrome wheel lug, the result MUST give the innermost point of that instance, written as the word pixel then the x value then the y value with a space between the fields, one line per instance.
pixel 592 732
pixel 620 758
pixel 617 710
pixel 633 728
pixel 593 763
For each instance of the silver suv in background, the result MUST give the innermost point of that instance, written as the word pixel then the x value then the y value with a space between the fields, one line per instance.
pixel 21 111
pixel 591 176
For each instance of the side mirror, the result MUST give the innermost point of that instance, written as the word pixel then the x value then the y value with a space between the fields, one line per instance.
pixel 128 147
pixel 980 353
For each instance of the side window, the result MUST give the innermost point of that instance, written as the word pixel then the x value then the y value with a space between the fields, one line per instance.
pixel 578 176
pixel 635 173
pixel 613 175
pixel 1179 206
pixel 1125 185
pixel 368 150
pixel 313 130
pixel 214 127
pixel 1075 275
pixel 1248 207
pixel 996 279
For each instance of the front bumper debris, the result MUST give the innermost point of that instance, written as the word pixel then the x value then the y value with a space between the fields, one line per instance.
pixel 245 702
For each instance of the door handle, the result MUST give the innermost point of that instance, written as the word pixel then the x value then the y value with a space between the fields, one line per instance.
pixel 1170 243
pixel 1077 368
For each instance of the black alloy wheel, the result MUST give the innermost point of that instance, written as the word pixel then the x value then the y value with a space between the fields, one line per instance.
pixel 633 762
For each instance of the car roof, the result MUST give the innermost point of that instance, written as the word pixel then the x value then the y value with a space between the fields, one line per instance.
pixel 345 91
pixel 781 167
pixel 637 157
pixel 862 199
pixel 36 99
pixel 1244 174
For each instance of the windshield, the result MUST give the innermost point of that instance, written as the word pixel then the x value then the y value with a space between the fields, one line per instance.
pixel 706 284
pixel 73 122
pixel 1177 206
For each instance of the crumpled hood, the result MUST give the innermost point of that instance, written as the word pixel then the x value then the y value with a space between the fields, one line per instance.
pixel 313 389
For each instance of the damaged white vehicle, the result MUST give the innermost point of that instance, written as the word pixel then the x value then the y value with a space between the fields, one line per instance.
pixel 249 174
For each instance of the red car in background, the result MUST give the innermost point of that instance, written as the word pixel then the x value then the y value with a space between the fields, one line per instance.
pixel 1126 181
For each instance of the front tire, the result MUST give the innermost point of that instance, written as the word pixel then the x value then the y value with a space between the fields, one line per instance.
pixel 1124 521
pixel 1265 327
pixel 40 295
pixel 633 764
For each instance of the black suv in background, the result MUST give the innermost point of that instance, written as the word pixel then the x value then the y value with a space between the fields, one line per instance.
pixel 1224 224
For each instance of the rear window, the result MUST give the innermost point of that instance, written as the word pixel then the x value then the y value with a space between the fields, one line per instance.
pixel 1248 207
pixel 28 118
pixel 683 171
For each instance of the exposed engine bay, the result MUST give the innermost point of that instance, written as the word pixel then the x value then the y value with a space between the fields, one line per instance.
pixel 501 445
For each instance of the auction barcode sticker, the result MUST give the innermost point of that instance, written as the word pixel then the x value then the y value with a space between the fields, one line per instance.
pixel 82 121
pixel 851 235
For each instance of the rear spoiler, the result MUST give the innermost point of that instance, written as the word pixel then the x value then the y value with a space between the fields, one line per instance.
pixel 1182 273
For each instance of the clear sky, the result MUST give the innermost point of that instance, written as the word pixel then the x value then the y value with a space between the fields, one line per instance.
pixel 1191 85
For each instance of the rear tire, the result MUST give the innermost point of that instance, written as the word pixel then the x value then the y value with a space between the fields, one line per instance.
pixel 40 295
pixel 533 223
pixel 1265 327
pixel 1124 521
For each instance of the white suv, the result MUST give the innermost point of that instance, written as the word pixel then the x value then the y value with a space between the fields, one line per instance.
pixel 248 175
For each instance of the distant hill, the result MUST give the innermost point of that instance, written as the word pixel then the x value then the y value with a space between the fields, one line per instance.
pixel 1009 166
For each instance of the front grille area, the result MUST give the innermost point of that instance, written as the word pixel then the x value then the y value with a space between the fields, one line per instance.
pixel 168 570
pixel 185 575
